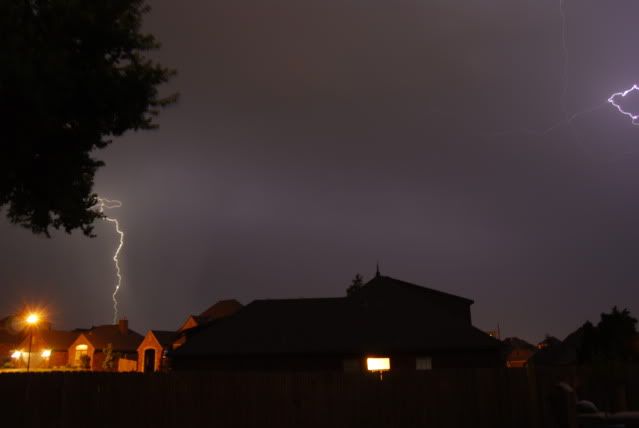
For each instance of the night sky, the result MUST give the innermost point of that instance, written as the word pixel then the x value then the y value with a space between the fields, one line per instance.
pixel 316 137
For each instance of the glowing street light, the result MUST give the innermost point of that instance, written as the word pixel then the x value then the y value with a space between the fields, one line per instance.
pixel 32 318
pixel 32 321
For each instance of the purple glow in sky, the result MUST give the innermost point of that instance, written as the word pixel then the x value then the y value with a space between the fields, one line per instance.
pixel 313 138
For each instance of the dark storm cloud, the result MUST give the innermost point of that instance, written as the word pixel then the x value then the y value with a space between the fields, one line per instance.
pixel 316 137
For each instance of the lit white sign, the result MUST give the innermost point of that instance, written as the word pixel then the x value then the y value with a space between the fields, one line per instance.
pixel 378 364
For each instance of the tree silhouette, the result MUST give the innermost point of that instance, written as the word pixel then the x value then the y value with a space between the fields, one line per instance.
pixel 611 340
pixel 73 74
pixel 356 284
pixel 110 358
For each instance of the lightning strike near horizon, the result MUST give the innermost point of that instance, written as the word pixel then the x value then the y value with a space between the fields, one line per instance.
pixel 103 204
pixel 623 94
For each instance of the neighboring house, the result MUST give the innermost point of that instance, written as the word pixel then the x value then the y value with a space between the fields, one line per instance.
pixel 157 343
pixel 555 352
pixel 221 309
pixel 517 352
pixel 11 334
pixel 548 342
pixel 94 342
pixel 385 324
pixel 49 348
pixel 152 351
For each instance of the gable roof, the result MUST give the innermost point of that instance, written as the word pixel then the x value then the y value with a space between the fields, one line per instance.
pixel 386 286
pixel 11 324
pixel 511 343
pixel 561 353
pixel 222 309
pixel 165 338
pixel 102 335
pixel 219 310
pixel 58 340
pixel 9 338
pixel 331 326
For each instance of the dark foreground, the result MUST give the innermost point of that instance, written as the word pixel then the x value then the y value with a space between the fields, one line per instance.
pixel 441 398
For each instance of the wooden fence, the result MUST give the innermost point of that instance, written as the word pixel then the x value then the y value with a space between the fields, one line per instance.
pixel 495 398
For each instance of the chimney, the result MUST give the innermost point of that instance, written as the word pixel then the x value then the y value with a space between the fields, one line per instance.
pixel 123 325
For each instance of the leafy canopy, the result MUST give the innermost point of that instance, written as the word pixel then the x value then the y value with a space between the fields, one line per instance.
pixel 613 339
pixel 73 74
pixel 356 284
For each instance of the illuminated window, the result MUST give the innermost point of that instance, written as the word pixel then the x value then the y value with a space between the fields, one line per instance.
pixel 424 363
pixel 46 353
pixel 378 364
pixel 16 355
pixel 80 350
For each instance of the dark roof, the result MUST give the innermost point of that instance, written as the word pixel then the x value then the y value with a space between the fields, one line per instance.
pixel 5 321
pixel 385 285
pixel 221 309
pixel 560 353
pixel 512 343
pixel 59 340
pixel 165 338
pixel 10 338
pixel 103 335
pixel 11 324
pixel 199 319
pixel 332 326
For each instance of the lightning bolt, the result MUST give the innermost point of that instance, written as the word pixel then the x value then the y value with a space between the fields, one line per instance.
pixel 103 204
pixel 612 100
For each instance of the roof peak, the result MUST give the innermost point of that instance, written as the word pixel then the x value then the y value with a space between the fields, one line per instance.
pixel 382 279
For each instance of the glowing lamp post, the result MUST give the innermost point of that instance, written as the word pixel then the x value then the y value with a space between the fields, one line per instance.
pixel 32 320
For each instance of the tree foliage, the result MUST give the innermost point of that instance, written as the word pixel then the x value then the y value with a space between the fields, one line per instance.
pixel 85 362
pixel 110 358
pixel 613 339
pixel 73 75
pixel 356 284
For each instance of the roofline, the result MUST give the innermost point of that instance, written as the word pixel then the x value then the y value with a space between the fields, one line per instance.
pixel 289 299
pixel 432 290
pixel 391 352
pixel 86 337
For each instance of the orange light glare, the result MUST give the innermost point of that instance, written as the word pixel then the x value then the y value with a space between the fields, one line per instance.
pixel 33 319
pixel 16 355
pixel 46 353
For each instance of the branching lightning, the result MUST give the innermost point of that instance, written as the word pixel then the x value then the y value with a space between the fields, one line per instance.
pixel 103 204
pixel 564 106
pixel 613 100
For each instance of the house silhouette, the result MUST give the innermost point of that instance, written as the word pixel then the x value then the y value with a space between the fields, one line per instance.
pixel 414 327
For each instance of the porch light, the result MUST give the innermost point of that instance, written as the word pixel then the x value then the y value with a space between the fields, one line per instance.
pixel 46 353
pixel 16 355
